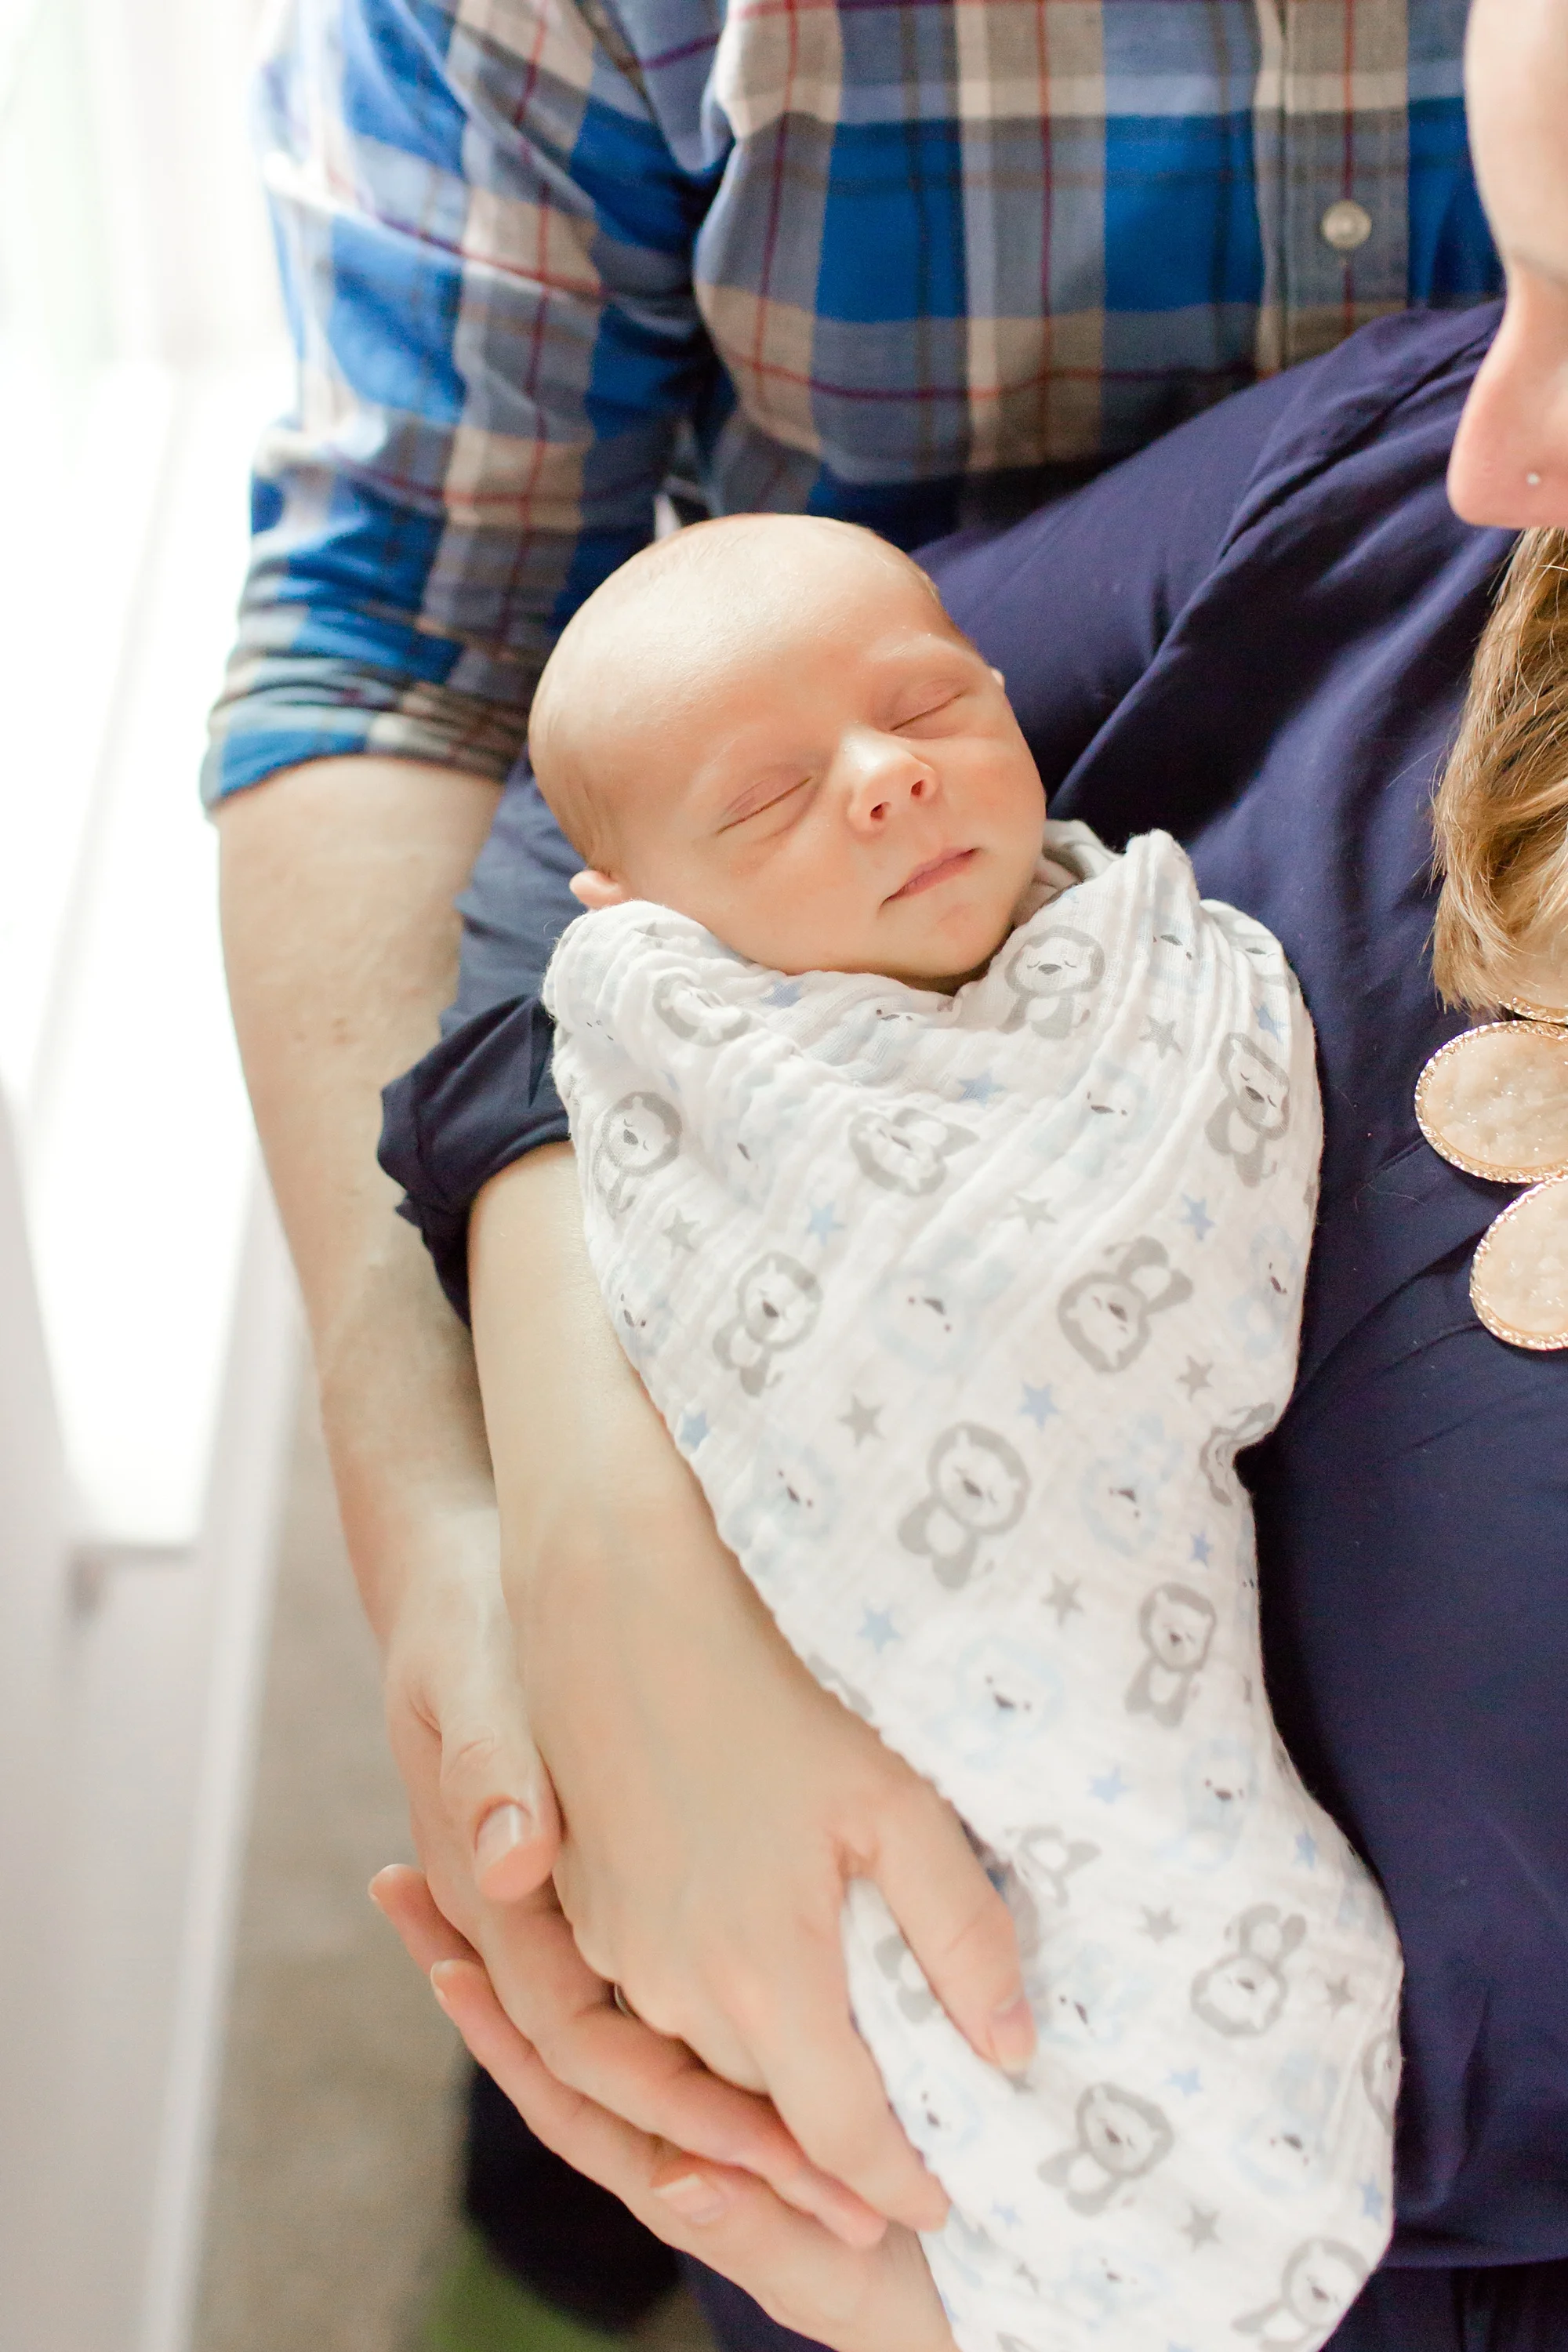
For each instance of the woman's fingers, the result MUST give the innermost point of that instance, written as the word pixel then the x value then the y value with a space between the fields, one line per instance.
pixel 851 2301
pixel 403 1895
pixel 829 2089
pixel 586 2042
pixel 958 1927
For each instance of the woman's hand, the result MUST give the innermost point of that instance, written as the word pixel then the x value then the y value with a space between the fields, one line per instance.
pixel 864 2300
pixel 716 1799
pixel 459 1733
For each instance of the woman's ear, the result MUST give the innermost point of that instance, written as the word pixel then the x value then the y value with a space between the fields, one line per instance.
pixel 596 889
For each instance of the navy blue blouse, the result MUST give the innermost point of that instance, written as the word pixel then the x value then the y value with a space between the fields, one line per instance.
pixel 1256 633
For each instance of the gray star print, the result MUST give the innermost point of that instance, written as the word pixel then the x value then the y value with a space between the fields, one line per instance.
pixel 1195 1377
pixel 1200 2226
pixel 1034 1212
pixel 1063 1598
pixel 861 1421
pixel 1158 1925
pixel 1160 1034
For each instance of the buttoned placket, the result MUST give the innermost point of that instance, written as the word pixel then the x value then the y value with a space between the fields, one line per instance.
pixel 1331 145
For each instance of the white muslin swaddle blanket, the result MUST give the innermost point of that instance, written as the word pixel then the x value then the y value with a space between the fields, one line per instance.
pixel 959 1307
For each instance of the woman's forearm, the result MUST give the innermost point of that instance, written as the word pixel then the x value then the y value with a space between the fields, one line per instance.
pixel 341 937
pixel 580 1453
pixel 716 1799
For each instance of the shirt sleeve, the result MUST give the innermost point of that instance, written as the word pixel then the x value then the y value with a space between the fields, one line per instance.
pixel 485 249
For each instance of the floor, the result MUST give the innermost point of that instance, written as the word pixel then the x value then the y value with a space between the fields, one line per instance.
pixel 332 2215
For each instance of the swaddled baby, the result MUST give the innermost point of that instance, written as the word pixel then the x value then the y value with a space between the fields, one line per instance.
pixel 951 1181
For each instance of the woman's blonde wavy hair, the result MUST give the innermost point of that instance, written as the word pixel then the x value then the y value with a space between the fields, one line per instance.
pixel 1501 809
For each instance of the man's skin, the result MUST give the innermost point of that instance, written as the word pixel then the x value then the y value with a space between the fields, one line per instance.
pixel 341 939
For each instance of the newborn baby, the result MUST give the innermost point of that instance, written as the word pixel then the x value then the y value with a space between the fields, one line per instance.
pixel 950 1180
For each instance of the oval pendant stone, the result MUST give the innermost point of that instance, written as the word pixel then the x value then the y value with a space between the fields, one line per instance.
pixel 1495 1101
pixel 1519 1283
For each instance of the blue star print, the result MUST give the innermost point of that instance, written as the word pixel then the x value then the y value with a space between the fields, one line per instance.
pixel 1267 1024
pixel 1196 1214
pixel 1306 1850
pixel 1039 1403
pixel 877 1627
pixel 692 1431
pixel 1108 1786
pixel 1006 2216
pixel 1203 1550
pixel 825 1221
pixel 1371 2201
pixel 782 993
pixel 980 1089
pixel 1189 2082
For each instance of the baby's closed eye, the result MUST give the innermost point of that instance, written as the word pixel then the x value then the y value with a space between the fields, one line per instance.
pixel 764 798
pixel 931 709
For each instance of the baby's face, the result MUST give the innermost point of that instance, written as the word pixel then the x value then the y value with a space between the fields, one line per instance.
pixel 835 782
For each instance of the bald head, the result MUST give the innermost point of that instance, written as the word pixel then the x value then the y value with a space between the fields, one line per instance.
pixel 649 648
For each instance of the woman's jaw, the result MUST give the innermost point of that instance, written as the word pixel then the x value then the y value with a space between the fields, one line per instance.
pixel 1510 463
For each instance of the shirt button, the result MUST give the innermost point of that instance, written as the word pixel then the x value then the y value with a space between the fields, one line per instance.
pixel 1346 225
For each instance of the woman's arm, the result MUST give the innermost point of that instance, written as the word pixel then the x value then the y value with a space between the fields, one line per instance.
pixel 716 1799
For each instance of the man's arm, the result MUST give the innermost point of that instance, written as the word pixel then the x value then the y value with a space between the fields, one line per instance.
pixel 340 934
pixel 341 939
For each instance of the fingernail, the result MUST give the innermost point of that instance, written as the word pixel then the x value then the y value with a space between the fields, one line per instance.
pixel 502 1831
pixel 694 2199
pixel 436 1987
pixel 1013 2036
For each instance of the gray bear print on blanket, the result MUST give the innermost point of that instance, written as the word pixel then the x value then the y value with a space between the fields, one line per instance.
pixel 637 1137
pixel 1120 2138
pixel 911 1990
pixel 908 1152
pixel 1051 971
pixel 1321 2281
pixel 1380 2075
pixel 978 1488
pixel 1050 1858
pixel 1254 1109
pixel 778 1302
pixel 986 1291
pixel 693 1012
pixel 1245 1992
pixel 1222 1445
pixel 1107 1315
pixel 1176 1626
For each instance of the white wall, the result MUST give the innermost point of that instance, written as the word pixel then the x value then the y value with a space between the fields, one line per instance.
pixel 147 1336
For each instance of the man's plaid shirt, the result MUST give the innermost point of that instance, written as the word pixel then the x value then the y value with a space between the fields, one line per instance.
pixel 874 258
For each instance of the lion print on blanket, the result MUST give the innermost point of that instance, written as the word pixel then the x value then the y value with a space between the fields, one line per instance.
pixel 959 1307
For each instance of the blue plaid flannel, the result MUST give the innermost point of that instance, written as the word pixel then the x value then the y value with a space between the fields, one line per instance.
pixel 865 257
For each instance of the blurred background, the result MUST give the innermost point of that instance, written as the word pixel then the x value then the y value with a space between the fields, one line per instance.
pixel 231 2111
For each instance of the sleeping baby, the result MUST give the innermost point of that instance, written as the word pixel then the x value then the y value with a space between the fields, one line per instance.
pixel 950 1180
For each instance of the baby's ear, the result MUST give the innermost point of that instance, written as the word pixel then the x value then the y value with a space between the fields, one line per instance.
pixel 597 891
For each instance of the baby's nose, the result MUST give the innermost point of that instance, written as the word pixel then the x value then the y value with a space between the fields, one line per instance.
pixel 885 775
